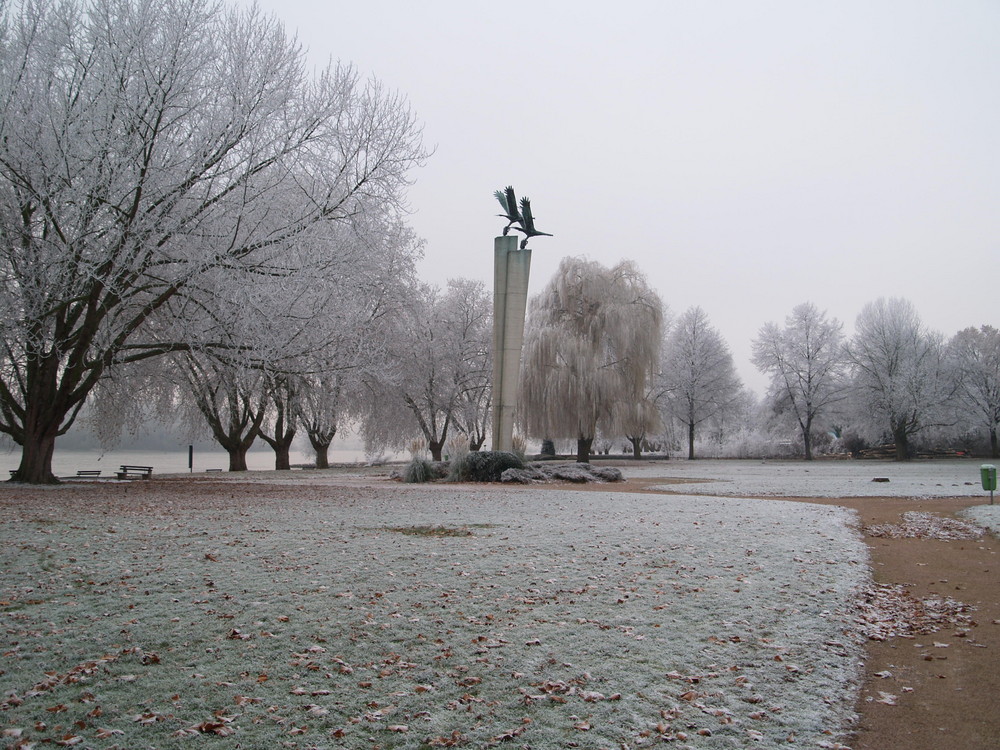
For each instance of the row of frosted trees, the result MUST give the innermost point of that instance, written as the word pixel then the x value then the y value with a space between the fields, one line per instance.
pixel 198 229
pixel 182 199
pixel 603 361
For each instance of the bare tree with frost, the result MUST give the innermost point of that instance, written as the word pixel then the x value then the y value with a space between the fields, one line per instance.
pixel 698 378
pixel 230 399
pixel 322 410
pixel 806 363
pixel 974 358
pixel 899 377
pixel 351 327
pixel 144 146
pixel 444 356
pixel 640 418
pixel 313 333
pixel 471 315
pixel 280 423
pixel 350 305
pixel 591 347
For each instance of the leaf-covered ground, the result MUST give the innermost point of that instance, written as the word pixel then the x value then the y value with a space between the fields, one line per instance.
pixel 183 613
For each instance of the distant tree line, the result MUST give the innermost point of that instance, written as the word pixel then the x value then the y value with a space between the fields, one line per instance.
pixel 894 387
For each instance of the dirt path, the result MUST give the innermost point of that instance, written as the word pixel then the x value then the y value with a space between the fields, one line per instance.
pixel 946 695
pixel 934 691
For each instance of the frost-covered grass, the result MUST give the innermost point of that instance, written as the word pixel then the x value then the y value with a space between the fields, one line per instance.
pixel 987 516
pixel 920 479
pixel 186 614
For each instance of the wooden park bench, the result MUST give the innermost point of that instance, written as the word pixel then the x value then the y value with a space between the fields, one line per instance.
pixel 127 471
pixel 83 473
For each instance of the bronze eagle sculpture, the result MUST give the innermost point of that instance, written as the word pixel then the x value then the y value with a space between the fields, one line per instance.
pixel 528 224
pixel 508 201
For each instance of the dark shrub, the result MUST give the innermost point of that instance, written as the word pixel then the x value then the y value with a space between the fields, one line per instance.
pixel 854 444
pixel 483 466
pixel 422 470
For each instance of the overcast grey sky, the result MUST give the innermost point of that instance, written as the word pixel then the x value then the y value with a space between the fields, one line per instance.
pixel 749 156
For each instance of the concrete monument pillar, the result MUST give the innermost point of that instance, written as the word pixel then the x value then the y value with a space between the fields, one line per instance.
pixel 510 299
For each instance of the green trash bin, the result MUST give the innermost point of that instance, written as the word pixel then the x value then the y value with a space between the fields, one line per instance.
pixel 988 474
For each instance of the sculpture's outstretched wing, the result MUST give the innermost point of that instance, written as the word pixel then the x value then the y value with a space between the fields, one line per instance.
pixel 528 224
pixel 502 199
pixel 508 200
pixel 526 218
pixel 512 204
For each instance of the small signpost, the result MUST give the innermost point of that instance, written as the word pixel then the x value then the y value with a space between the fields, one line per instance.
pixel 988 474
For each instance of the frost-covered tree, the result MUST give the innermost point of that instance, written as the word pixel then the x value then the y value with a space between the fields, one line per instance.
pixel 349 308
pixel 443 351
pixel 640 417
pixel 806 363
pixel 232 401
pixel 974 357
pixel 898 373
pixel 143 146
pixel 336 381
pixel 470 313
pixel 280 423
pixel 698 379
pixel 321 412
pixel 474 415
pixel 591 347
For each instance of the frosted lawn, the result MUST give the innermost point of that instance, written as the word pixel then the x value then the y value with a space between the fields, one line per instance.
pixel 196 614
pixel 987 516
pixel 918 479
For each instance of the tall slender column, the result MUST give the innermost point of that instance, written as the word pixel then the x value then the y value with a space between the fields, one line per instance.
pixel 510 298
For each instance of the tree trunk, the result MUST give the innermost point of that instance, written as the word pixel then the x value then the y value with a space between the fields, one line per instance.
pixel 321 441
pixel 322 456
pixel 476 443
pixel 994 447
pixel 284 428
pixel 282 459
pixel 435 447
pixel 902 443
pixel 583 450
pixel 281 444
pixel 807 439
pixel 238 457
pixel 636 446
pixel 237 447
pixel 690 441
pixel 41 421
pixel 36 459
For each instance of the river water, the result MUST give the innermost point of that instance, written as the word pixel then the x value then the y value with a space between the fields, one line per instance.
pixel 65 463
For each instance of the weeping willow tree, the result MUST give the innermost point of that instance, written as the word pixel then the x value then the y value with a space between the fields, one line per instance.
pixel 591 347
